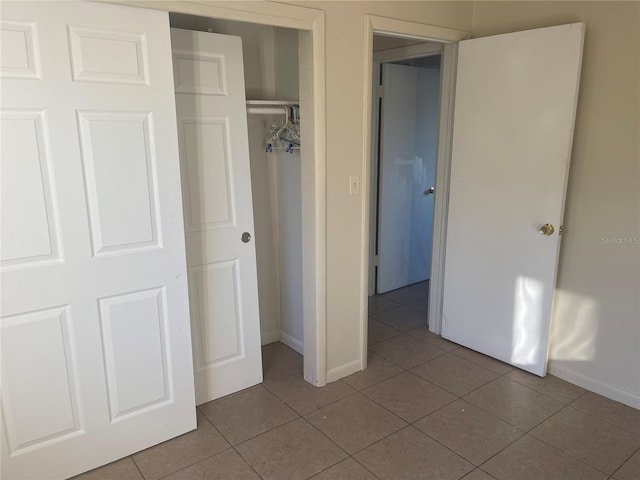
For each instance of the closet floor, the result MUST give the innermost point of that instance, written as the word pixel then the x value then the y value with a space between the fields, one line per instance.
pixel 424 408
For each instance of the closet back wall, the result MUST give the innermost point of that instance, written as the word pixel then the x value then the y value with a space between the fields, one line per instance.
pixel 271 73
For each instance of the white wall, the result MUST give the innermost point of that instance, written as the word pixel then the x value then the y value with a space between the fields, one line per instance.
pixel 596 326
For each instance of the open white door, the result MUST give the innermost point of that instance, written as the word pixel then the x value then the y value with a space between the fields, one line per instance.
pixel 516 97
pixel 218 212
pixel 408 145
pixel 96 345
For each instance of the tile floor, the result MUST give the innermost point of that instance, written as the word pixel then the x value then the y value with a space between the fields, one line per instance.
pixel 424 409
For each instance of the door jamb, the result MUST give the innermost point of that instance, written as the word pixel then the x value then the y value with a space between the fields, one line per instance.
pixel 311 26
pixel 383 56
pixel 449 37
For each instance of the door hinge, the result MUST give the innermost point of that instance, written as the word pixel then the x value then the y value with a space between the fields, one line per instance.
pixel 379 91
pixel 375 260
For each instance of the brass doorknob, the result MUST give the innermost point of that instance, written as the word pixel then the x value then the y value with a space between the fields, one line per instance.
pixel 546 229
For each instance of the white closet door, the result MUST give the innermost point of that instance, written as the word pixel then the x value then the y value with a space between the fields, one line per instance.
pixel 218 211
pixel 516 97
pixel 96 347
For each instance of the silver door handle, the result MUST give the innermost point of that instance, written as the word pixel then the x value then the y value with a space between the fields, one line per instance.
pixel 246 237
pixel 430 191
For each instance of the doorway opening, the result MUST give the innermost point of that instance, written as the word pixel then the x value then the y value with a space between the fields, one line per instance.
pixel 406 87
pixel 246 263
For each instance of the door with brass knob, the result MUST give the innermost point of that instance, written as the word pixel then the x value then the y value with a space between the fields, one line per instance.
pixel 546 229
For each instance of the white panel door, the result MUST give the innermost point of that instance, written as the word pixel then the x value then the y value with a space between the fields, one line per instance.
pixel 218 212
pixel 96 346
pixel 516 97
pixel 409 134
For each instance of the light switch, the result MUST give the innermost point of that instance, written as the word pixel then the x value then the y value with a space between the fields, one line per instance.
pixel 354 185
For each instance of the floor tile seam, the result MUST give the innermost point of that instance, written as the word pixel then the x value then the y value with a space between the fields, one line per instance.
pixel 443 388
pixel 330 440
pixel 569 455
pixel 388 338
pixel 543 393
pixel 511 367
pixel 136 465
pixel 192 464
pixel 266 431
pixel 407 421
pixel 378 382
pixel 247 462
pixel 381 438
pixel 365 467
pixel 629 458
pixel 525 386
pixel 636 434
pixel 452 450
pixel 351 394
pixel 503 420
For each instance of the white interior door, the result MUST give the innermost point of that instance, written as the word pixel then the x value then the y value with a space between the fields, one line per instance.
pixel 408 141
pixel 516 97
pixel 96 347
pixel 218 212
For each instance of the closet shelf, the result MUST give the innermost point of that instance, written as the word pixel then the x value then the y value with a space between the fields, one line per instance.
pixel 271 103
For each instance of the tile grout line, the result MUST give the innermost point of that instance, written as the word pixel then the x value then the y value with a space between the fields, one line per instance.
pixel 622 465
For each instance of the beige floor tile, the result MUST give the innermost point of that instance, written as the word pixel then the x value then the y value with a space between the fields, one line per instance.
pixel 378 303
pixel 355 422
pixel 408 396
pixel 123 469
pixel 247 414
pixel 423 333
pixel 405 318
pixel 478 474
pixel 379 332
pixel 516 404
pixel 530 459
pixel 292 451
pixel 454 374
pixel 551 386
pixel 180 452
pixel 410 454
pixel 409 294
pixel 468 431
pixel 280 361
pixel 483 360
pixel 630 470
pixel 610 411
pixel 588 439
pixel 223 466
pixel 304 397
pixel 378 369
pixel 348 469
pixel 406 351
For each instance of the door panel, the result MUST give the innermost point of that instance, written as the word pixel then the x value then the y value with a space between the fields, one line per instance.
pixel 516 97
pixel 409 132
pixel 96 347
pixel 216 179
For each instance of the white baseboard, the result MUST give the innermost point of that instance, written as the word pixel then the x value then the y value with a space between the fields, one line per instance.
pixel 292 342
pixel 343 370
pixel 270 337
pixel 609 391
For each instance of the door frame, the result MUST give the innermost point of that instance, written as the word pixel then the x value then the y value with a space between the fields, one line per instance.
pixel 384 56
pixel 449 37
pixel 310 24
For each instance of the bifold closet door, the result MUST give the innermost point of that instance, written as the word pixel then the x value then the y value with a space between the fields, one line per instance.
pixel 96 347
pixel 218 212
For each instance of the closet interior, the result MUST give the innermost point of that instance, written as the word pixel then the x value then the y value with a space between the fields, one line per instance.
pixel 270 58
